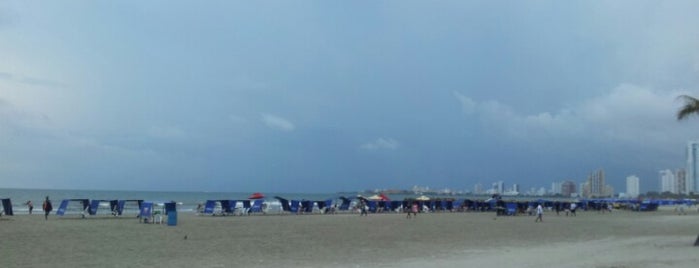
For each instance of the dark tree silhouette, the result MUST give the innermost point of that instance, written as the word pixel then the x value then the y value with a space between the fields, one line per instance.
pixel 691 107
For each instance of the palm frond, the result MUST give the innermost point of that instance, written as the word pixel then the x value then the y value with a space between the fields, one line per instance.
pixel 691 106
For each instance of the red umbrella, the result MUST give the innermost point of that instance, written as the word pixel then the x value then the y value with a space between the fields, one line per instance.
pixel 384 197
pixel 256 196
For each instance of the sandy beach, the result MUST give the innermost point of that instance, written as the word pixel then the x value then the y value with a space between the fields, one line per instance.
pixel 618 239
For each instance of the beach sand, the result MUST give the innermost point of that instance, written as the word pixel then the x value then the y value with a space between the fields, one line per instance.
pixel 619 239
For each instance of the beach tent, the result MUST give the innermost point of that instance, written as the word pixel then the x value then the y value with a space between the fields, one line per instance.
pixel 306 206
pixel 328 205
pixel 122 205
pixel 151 211
pixel 345 203
pixel 6 207
pixel 78 206
pixel 146 211
pixel 227 206
pixel 96 204
pixel 284 204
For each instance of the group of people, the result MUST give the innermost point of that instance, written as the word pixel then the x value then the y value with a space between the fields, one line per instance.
pixel 47 207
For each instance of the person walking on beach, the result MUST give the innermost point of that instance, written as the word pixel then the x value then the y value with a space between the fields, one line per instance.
pixel 539 214
pixel 362 207
pixel 47 207
pixel 31 206
pixel 412 209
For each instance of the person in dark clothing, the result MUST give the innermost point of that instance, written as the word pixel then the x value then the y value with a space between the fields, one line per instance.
pixel 31 206
pixel 47 208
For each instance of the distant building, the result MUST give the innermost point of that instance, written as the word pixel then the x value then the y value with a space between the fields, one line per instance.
pixel 478 188
pixel 692 174
pixel 632 186
pixel 568 188
pixel 596 186
pixel 498 187
pixel 667 181
pixel 681 181
pixel 555 188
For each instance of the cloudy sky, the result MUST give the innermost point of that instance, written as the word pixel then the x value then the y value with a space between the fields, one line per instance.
pixel 322 96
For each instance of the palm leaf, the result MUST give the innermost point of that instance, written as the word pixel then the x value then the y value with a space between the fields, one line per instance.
pixel 691 106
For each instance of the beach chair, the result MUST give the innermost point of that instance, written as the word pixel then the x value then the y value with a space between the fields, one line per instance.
pixel 511 209
pixel 256 206
pixel 209 207
pixel 294 206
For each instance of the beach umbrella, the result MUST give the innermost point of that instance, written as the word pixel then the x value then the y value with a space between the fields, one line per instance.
pixel 256 196
pixel 422 198
pixel 384 197
pixel 374 197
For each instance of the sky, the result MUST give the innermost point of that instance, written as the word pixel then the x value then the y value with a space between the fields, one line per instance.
pixel 325 96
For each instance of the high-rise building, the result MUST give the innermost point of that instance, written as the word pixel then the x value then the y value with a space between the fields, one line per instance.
pixel 499 187
pixel 632 186
pixel 667 181
pixel 596 186
pixel 681 181
pixel 568 188
pixel 478 188
pixel 555 188
pixel 516 188
pixel 692 166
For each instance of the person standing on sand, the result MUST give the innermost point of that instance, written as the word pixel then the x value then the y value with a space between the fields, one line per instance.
pixel 31 206
pixel 47 207
pixel 412 209
pixel 362 207
pixel 539 214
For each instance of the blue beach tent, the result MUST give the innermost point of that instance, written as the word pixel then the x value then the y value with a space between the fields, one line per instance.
pixel 345 203
pixel 227 206
pixel 284 204
pixel 77 206
pixel 122 205
pixel 6 207
pixel 95 204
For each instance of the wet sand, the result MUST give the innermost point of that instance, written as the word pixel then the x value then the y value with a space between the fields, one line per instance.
pixel 619 239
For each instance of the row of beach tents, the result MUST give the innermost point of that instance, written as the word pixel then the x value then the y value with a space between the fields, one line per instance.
pixel 374 204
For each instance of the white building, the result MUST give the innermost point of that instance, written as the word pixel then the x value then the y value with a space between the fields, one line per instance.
pixel 632 187
pixel 555 188
pixel 516 188
pixel 667 181
pixel 499 187
pixel 478 188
